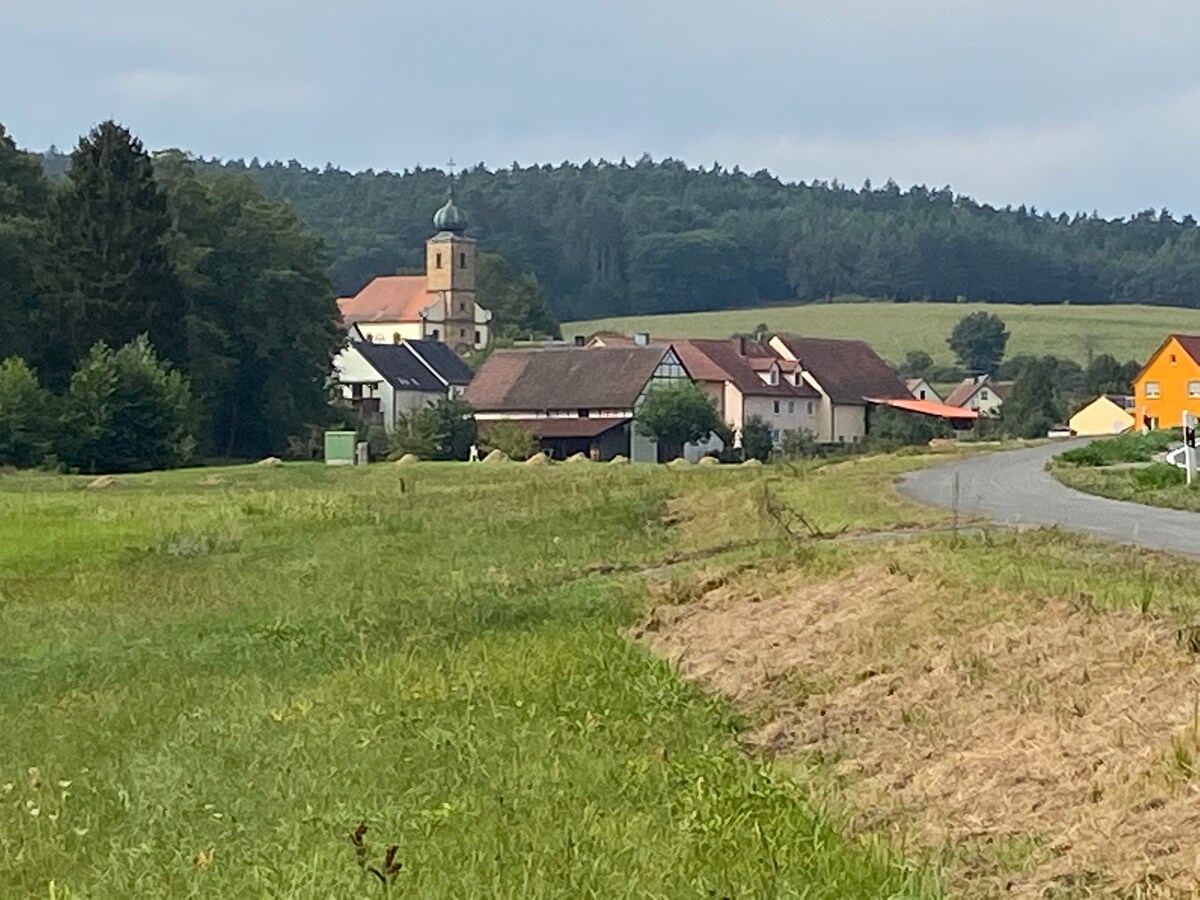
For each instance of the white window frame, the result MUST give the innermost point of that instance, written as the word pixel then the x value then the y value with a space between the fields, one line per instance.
pixel 1194 388
pixel 1152 390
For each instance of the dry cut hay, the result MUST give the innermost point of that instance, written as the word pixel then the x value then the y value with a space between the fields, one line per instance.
pixel 708 461
pixel 270 462
pixel 497 456
pixel 969 716
pixel 102 482
pixel 538 459
pixel 408 459
pixel 577 458
pixel 619 460
pixel 752 463
pixel 679 463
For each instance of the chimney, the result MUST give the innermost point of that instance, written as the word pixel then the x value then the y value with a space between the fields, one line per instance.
pixel 641 339
pixel 742 345
pixel 580 340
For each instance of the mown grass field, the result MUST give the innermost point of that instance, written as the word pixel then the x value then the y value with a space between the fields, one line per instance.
pixel 209 679
pixel 1125 331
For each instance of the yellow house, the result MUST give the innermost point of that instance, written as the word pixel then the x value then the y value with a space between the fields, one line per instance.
pixel 1169 384
pixel 1107 414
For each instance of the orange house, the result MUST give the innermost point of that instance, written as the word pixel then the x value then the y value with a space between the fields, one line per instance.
pixel 1169 384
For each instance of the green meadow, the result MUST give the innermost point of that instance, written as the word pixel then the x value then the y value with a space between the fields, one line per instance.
pixel 209 680
pixel 1074 332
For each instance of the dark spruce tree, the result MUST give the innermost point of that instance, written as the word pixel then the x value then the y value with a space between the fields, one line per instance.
pixel 24 199
pixel 112 278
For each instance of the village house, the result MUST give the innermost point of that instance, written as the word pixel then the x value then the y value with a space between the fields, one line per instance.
pixel 848 375
pixel 1107 414
pixel 981 394
pixel 383 381
pixel 438 305
pixel 577 400
pixel 1169 384
pixel 725 372
pixel 922 390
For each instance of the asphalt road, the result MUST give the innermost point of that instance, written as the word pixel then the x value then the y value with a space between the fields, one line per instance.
pixel 1013 488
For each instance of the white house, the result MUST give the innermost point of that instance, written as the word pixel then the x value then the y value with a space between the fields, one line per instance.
pixel 980 393
pixel 386 380
pixel 922 390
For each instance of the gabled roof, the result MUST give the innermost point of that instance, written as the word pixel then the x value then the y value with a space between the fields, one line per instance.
pixel 969 387
pixel 716 360
pixel 576 378
pixel 399 366
pixel 388 298
pixel 562 426
pixel 848 371
pixel 446 364
pixel 1189 342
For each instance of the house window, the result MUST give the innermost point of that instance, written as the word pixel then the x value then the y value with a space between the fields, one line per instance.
pixel 356 392
pixel 776 407
pixel 791 407
pixel 810 407
pixel 437 261
pixel 922 394
pixel 1172 359
pixel 775 436
pixel 983 395
pixel 478 338
pixel 1194 388
pixel 584 413
pixel 462 332
pixel 774 379
pixel 1151 389
pixel 462 260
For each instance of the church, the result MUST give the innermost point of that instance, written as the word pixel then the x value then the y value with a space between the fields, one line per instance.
pixel 439 305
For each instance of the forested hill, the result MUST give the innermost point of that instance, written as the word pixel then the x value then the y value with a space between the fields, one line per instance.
pixel 614 238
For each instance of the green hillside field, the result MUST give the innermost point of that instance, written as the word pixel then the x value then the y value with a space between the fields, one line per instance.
pixel 1125 331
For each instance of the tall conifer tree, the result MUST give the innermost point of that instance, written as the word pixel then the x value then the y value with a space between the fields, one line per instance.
pixel 112 278
pixel 24 196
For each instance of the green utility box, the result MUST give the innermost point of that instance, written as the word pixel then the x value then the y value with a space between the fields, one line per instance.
pixel 339 448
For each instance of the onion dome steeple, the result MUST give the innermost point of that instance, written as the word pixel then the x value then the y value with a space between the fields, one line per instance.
pixel 450 218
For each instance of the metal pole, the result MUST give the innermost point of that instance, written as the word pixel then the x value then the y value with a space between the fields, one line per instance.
pixel 1189 451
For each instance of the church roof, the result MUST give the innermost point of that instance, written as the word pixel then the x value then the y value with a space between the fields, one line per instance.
pixel 450 218
pixel 388 298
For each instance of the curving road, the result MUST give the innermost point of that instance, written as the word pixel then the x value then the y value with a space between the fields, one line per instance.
pixel 1014 489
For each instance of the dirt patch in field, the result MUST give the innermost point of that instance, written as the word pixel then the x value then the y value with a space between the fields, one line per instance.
pixel 964 718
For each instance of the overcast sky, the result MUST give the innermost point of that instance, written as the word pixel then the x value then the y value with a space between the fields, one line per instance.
pixel 1069 104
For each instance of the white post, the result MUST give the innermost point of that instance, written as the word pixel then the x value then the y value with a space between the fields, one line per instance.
pixel 1189 451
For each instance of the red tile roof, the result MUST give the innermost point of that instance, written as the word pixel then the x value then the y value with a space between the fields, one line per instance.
pixel 929 408
pixel 715 360
pixel 848 371
pixel 388 298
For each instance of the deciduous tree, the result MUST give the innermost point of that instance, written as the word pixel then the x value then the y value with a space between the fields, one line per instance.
pixel 979 340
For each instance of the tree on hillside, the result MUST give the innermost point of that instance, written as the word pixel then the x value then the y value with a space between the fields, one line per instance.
pixel 916 363
pixel 1034 404
pixel 127 411
pixel 515 300
pixel 979 340
pixel 1104 375
pixel 26 415
pixel 24 201
pixel 262 325
pixel 112 277
pixel 676 414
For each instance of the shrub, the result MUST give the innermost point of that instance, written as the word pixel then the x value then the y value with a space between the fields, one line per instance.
pixel 756 439
pixel 442 430
pixel 1131 447
pixel 677 414
pixel 800 443
pixel 127 411
pixel 26 416
pixel 1157 476
pixel 510 438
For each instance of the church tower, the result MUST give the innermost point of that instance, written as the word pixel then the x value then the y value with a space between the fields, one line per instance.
pixel 450 263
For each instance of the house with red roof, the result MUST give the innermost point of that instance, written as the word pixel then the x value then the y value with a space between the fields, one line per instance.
pixel 439 305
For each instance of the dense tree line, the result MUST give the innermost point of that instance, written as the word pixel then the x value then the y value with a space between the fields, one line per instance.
pixel 158 312
pixel 611 238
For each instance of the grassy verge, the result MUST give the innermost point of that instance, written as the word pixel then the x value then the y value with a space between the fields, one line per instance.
pixel 208 680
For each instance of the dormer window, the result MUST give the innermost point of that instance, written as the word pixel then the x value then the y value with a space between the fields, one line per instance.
pixel 773 377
